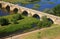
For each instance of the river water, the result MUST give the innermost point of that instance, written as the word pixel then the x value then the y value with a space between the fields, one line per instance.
pixel 44 4
pixel 3 12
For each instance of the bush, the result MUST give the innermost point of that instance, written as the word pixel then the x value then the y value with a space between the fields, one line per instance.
pixel 4 21
pixel 54 11
pixel 16 17
pixel 23 25
pixel 45 22
pixel 14 21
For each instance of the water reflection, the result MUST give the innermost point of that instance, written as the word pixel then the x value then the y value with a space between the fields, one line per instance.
pixel 3 12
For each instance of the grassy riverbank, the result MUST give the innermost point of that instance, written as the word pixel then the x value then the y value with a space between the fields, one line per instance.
pixel 47 33
pixel 17 22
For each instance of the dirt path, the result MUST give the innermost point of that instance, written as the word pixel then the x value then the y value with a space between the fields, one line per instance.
pixel 58 37
pixel 20 35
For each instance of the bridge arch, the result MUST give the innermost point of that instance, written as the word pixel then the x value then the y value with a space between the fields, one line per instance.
pixel 25 13
pixel 8 8
pixel 36 16
pixel 0 5
pixel 49 19
pixel 15 10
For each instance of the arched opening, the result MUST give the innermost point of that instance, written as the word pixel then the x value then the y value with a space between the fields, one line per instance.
pixel 8 8
pixel 25 13
pixel 36 16
pixel 15 10
pixel 50 20
pixel 0 5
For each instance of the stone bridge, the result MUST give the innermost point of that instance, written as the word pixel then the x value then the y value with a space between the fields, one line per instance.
pixel 28 12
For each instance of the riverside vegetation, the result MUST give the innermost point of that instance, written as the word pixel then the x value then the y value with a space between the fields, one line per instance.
pixel 54 11
pixel 17 22
pixel 46 33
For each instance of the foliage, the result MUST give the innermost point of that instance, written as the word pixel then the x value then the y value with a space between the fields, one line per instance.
pixel 15 18
pixel 23 24
pixel 4 21
pixel 45 22
pixel 54 11
pixel 36 6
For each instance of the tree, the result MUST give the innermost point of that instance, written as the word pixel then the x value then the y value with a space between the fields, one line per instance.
pixel 14 21
pixel 56 10
pixel 15 18
pixel 4 21
pixel 45 22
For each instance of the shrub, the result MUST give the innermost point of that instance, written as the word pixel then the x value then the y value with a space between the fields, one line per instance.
pixel 4 21
pixel 16 17
pixel 54 11
pixel 23 25
pixel 45 22
pixel 14 21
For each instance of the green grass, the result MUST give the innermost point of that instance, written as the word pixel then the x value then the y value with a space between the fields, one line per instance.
pixel 51 32
pixel 46 33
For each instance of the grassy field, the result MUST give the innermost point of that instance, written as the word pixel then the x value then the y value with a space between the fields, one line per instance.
pixel 48 33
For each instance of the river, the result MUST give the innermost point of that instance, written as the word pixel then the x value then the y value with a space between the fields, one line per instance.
pixel 44 4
